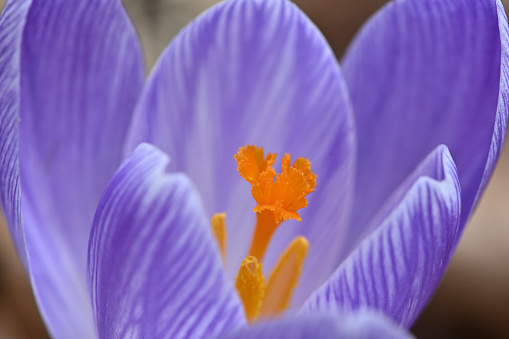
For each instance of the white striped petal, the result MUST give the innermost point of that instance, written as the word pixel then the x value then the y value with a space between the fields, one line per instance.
pixel 365 324
pixel 396 269
pixel 423 73
pixel 154 269
pixel 256 72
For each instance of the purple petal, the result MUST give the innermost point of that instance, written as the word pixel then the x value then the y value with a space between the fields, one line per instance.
pixel 503 101
pixel 256 72
pixel 361 325
pixel 154 268
pixel 12 22
pixel 396 269
pixel 80 73
pixel 424 73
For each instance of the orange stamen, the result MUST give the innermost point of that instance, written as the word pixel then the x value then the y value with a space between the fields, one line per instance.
pixel 251 286
pixel 219 231
pixel 278 197
pixel 284 277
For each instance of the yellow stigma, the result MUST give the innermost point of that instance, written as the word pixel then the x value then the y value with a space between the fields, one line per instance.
pixel 278 198
pixel 251 286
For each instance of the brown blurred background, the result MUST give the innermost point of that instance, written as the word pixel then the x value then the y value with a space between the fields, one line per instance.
pixel 473 299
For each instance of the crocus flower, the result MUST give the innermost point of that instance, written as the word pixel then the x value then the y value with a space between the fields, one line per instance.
pixel 403 138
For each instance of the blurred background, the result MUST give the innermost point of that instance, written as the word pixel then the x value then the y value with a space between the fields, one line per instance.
pixel 473 299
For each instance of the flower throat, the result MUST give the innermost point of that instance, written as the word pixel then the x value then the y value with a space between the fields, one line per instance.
pixel 278 197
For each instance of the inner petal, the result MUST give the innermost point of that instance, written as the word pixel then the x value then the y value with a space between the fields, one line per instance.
pixel 214 90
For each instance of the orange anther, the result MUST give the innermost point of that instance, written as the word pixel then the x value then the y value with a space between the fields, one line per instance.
pixel 284 277
pixel 251 286
pixel 219 231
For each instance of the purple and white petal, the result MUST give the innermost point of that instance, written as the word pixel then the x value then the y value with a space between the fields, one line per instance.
pixel 503 101
pixel 396 269
pixel 80 75
pixel 364 324
pixel 12 22
pixel 154 269
pixel 423 73
pixel 255 72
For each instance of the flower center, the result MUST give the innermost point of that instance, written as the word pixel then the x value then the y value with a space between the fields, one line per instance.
pixel 278 197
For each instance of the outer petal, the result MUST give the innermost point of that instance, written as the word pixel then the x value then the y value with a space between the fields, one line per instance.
pixel 81 73
pixel 361 325
pixel 154 269
pixel 255 72
pixel 503 100
pixel 12 22
pixel 397 268
pixel 424 73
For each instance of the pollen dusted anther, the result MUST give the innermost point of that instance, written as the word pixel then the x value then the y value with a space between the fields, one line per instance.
pixel 250 284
